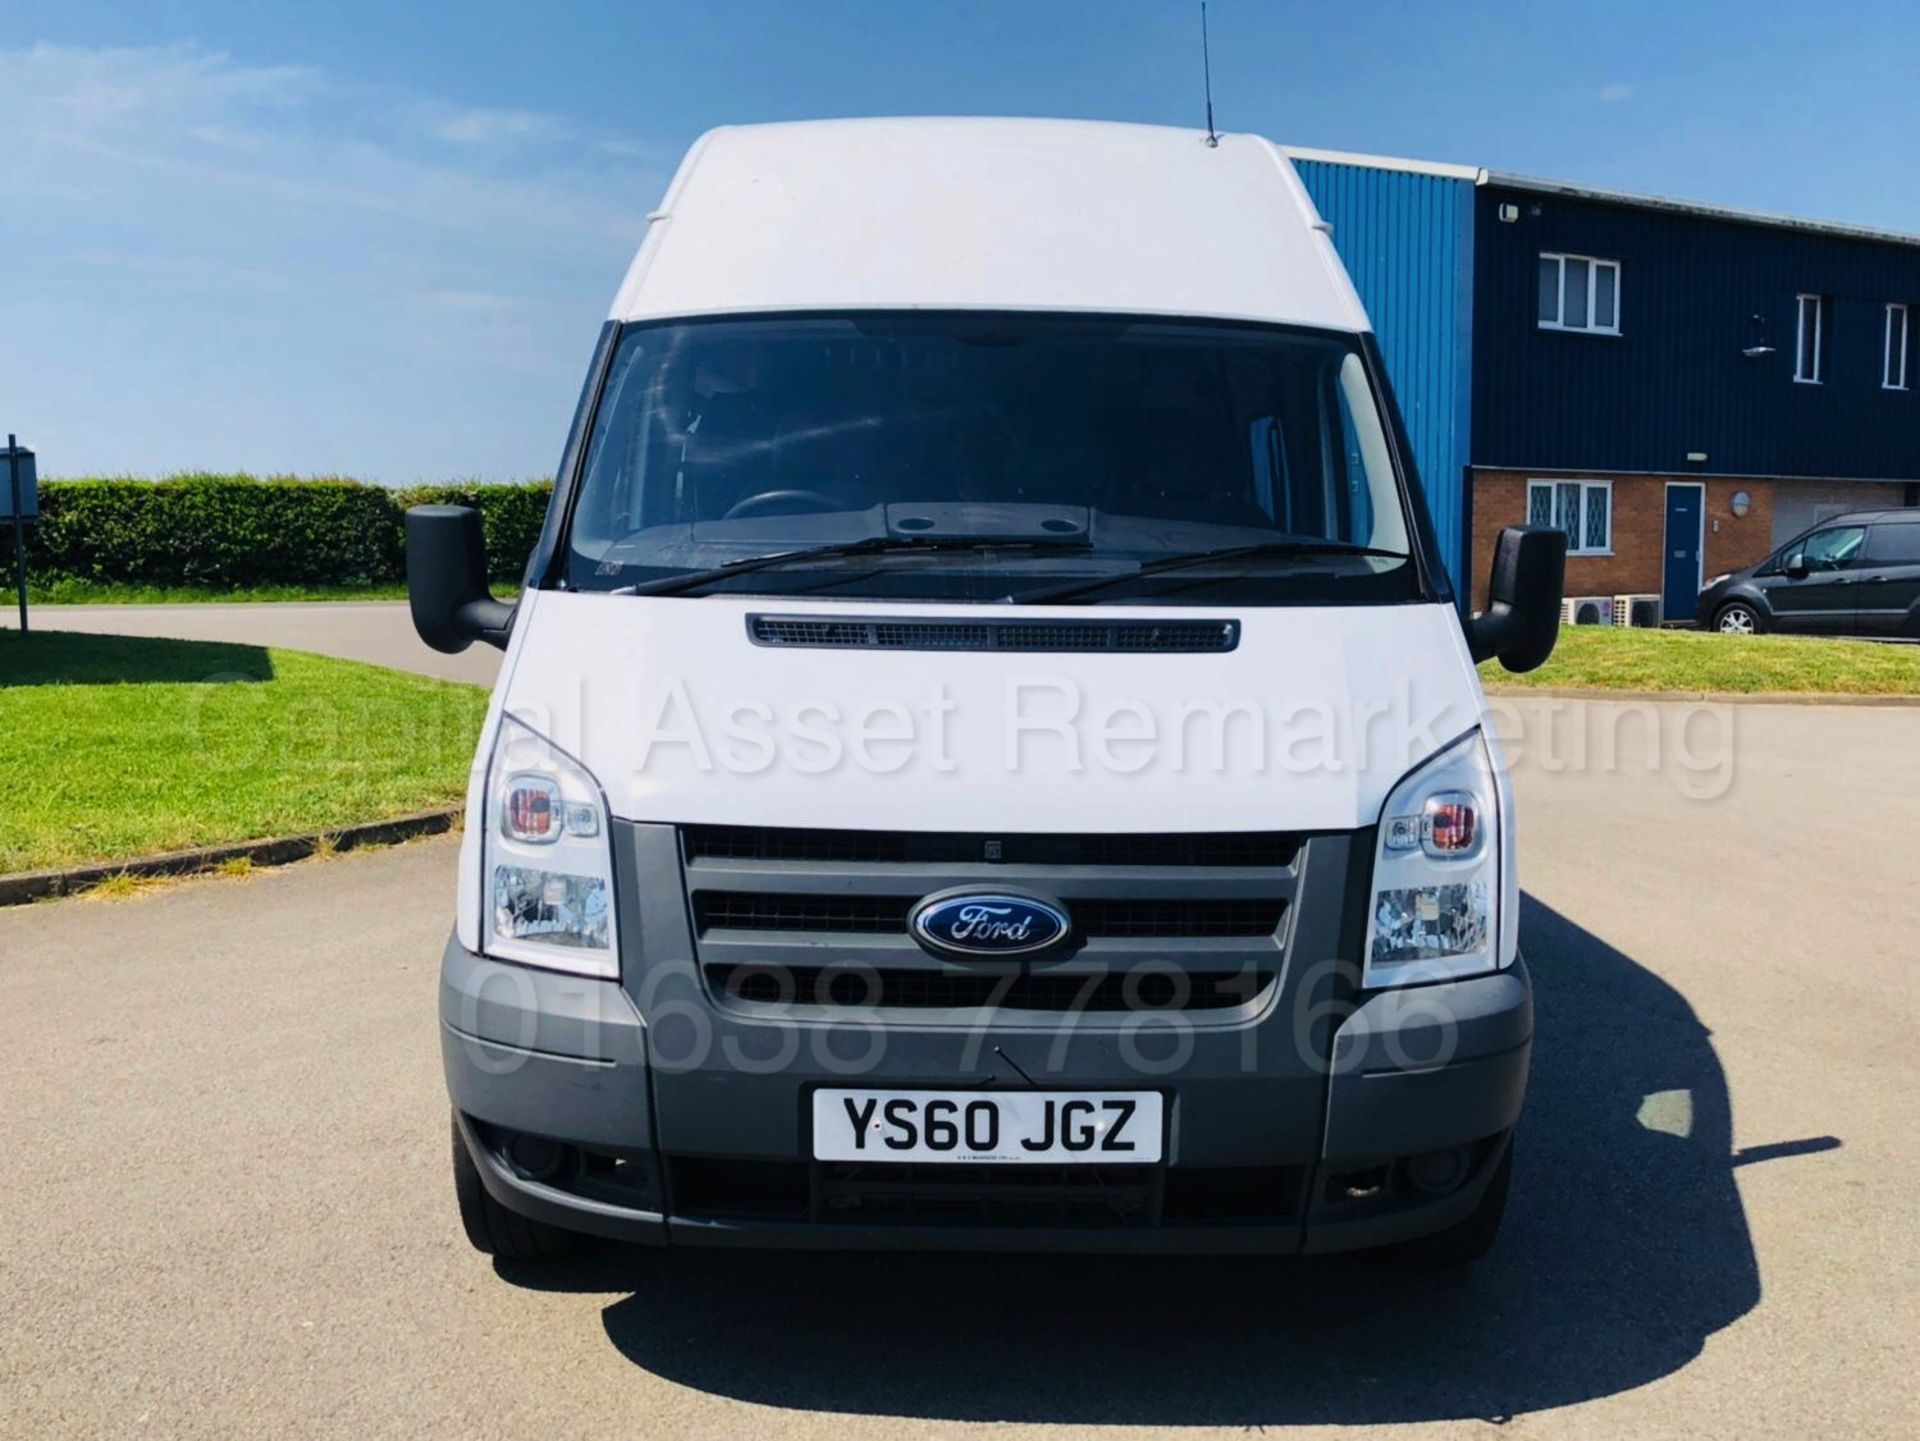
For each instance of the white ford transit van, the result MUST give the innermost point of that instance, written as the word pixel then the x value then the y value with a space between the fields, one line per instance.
pixel 986 754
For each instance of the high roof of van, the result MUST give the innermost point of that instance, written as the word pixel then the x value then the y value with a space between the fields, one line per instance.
pixel 968 214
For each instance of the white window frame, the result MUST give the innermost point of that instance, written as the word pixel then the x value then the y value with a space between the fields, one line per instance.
pixel 1800 303
pixel 1576 545
pixel 1893 362
pixel 1594 262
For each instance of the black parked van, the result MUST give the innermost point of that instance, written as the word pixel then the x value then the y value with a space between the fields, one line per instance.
pixel 1855 574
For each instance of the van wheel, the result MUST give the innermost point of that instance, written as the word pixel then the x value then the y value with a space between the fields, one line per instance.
pixel 1466 1241
pixel 492 1229
pixel 1738 618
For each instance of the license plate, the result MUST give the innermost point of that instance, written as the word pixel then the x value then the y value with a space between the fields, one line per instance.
pixel 1053 1128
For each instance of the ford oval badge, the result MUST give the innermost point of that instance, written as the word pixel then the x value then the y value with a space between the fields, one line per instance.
pixel 985 923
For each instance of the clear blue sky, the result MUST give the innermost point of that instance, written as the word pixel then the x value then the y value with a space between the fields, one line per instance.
pixel 377 239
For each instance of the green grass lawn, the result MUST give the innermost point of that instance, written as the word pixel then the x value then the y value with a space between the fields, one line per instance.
pixel 112 748
pixel 1604 658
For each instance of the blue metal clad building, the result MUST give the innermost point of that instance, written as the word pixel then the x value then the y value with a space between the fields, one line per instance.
pixel 1698 290
pixel 1673 386
pixel 1406 237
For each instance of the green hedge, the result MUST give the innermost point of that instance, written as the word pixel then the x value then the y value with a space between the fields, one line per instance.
pixel 230 531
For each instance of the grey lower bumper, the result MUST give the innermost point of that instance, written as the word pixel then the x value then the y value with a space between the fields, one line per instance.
pixel 530 1053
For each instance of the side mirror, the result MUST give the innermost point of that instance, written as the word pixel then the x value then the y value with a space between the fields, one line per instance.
pixel 1795 566
pixel 1522 618
pixel 447 580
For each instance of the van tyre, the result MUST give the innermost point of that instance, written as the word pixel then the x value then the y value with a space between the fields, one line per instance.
pixel 492 1229
pixel 1467 1240
pixel 1737 618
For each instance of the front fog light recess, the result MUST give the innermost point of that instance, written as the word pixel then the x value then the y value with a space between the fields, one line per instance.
pixel 1436 872
pixel 548 865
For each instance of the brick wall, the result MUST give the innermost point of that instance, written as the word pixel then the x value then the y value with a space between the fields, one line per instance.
pixel 1639 530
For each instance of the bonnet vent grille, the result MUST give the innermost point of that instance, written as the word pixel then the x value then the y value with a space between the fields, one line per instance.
pixel 1126 637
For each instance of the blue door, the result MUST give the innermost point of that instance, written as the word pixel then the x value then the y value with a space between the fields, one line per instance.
pixel 1680 571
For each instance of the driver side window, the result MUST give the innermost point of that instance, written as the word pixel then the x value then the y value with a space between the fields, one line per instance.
pixel 1833 549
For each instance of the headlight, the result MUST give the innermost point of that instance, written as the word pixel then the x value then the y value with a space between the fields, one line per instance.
pixel 1436 872
pixel 1716 580
pixel 546 865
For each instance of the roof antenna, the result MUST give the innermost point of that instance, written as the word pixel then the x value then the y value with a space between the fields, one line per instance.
pixel 1206 69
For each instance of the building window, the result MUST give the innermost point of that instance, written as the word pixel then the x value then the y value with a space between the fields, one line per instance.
pixel 1893 375
pixel 1578 292
pixel 1582 508
pixel 1810 340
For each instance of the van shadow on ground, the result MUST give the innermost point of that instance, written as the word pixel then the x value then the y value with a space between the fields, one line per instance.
pixel 1625 1248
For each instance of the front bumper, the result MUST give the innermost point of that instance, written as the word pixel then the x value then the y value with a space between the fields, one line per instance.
pixel 1255 1163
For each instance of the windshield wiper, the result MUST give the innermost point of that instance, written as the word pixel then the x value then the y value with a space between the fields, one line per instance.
pixel 1261 550
pixel 866 545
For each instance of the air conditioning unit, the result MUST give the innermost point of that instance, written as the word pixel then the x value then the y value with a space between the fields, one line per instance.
pixel 1587 610
pixel 1638 610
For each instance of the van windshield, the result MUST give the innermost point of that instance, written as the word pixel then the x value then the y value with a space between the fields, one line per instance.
pixel 1008 455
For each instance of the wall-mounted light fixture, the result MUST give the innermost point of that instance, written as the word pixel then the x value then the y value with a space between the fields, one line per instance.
pixel 1509 212
pixel 1740 504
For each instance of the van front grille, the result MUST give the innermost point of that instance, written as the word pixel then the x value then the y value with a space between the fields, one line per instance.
pixel 818 918
pixel 1178 919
